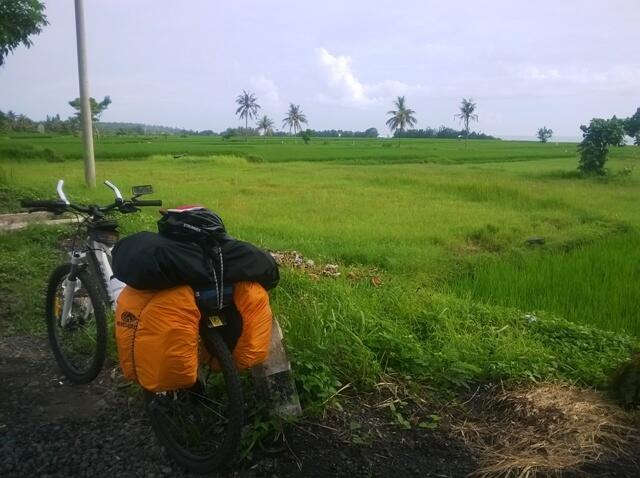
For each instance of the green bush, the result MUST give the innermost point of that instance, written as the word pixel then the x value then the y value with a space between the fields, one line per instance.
pixel 594 148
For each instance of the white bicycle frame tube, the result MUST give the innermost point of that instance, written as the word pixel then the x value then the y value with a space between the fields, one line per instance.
pixel 103 253
pixel 112 285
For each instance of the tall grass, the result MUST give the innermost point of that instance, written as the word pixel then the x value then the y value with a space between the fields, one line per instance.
pixel 345 331
pixel 597 283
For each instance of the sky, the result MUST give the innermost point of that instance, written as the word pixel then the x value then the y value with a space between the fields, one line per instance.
pixel 526 64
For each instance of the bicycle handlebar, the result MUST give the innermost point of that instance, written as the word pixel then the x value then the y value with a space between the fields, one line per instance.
pixel 61 194
pixel 62 204
pixel 46 204
pixel 115 190
pixel 149 202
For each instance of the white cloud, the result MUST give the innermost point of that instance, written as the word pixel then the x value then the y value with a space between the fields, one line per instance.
pixel 537 73
pixel 266 91
pixel 340 75
pixel 617 79
pixel 580 79
pixel 341 78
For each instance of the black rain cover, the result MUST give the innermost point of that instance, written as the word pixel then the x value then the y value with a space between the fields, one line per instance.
pixel 150 261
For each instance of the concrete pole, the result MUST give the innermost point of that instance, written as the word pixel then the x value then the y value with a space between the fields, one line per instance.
pixel 85 108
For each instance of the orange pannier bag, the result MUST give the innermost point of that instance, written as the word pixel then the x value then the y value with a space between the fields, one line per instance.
pixel 157 337
pixel 252 348
pixel 252 301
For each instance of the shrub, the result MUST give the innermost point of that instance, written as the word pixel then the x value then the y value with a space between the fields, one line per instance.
pixel 594 148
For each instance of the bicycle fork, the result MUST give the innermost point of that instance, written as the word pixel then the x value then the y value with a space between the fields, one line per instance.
pixel 70 286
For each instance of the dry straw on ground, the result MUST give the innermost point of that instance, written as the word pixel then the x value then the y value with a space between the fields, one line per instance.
pixel 544 431
pixel 295 260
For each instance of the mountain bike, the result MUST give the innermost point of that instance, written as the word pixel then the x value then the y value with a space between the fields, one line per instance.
pixel 80 292
pixel 200 427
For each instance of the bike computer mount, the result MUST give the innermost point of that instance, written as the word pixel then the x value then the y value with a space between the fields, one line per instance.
pixel 138 191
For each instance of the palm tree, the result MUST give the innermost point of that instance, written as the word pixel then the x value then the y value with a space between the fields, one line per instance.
pixel 467 107
pixel 265 124
pixel 247 109
pixel 294 119
pixel 401 117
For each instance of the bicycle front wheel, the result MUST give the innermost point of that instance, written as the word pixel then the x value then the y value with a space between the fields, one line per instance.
pixel 201 427
pixel 79 345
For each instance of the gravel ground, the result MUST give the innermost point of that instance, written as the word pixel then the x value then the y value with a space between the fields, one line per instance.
pixel 49 427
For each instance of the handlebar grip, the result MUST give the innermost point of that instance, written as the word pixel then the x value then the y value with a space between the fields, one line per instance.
pixel 45 204
pixel 150 202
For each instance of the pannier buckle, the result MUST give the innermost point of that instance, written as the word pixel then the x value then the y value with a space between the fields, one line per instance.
pixel 215 321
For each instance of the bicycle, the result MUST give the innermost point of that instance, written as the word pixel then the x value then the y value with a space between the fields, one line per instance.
pixel 200 427
pixel 80 291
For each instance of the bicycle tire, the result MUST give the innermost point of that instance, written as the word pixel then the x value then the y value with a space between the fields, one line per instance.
pixel 96 361
pixel 216 458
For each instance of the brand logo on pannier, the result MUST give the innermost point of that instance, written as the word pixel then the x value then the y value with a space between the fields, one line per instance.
pixel 128 320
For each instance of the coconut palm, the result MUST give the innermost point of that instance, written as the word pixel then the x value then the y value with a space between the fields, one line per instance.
pixel 247 109
pixel 401 117
pixel 294 119
pixel 467 107
pixel 265 124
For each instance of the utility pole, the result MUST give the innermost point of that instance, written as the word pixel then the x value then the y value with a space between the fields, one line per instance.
pixel 85 107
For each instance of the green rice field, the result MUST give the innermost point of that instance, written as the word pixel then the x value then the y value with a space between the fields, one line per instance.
pixel 438 285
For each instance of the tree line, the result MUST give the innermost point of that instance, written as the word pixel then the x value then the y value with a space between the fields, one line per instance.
pixel 248 108
pixel 20 123
pixel 442 132
pixel 399 120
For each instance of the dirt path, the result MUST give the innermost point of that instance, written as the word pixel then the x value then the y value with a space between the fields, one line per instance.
pixel 49 427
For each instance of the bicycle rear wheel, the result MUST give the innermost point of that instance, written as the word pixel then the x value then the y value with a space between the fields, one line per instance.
pixel 80 345
pixel 201 427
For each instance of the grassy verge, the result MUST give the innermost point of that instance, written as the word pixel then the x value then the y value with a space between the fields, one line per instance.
pixel 342 331
pixel 347 330
pixel 26 259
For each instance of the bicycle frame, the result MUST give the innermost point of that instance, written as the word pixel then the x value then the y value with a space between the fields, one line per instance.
pixel 100 256
pixel 97 256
